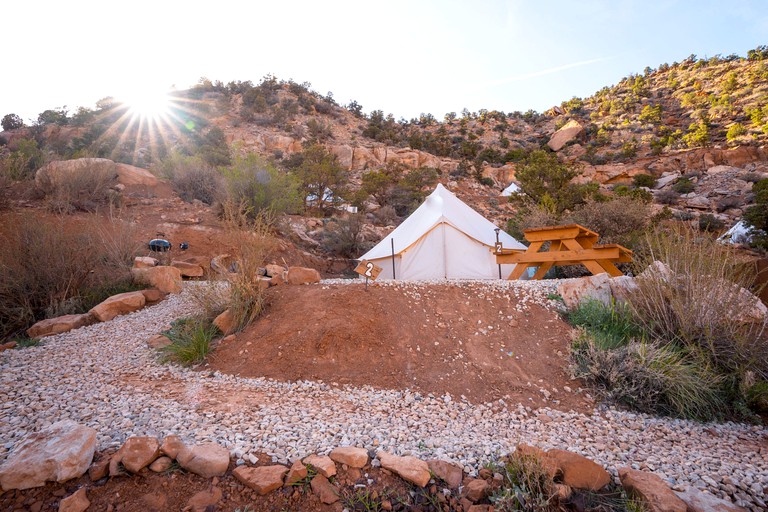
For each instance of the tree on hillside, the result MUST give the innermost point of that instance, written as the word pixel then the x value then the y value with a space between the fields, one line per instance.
pixel 53 116
pixel 11 122
pixel 547 181
pixel 323 181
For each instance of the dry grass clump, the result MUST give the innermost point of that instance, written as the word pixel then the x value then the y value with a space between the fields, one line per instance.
pixel 701 303
pixel 80 189
pixel 690 341
pixel 250 241
pixel 51 267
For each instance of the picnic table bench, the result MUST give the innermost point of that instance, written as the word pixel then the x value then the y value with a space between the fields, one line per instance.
pixel 571 244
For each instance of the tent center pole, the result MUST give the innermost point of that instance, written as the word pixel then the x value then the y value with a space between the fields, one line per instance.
pixel 393 258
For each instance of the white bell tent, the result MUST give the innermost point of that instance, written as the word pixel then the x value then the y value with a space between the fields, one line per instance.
pixel 443 239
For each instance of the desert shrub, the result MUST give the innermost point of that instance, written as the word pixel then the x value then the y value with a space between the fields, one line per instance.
pixel 526 485
pixel 54 267
pixel 727 203
pixel 651 377
pixel 621 220
pixel 192 178
pixel 386 216
pixel 259 189
pixel 344 236
pixel 757 397
pixel 639 194
pixel 683 186
pixel 699 303
pixel 251 241
pixel 23 161
pixel 756 216
pixel 190 340
pixel 80 189
pixel 531 216
pixel 735 131
pixel 710 223
pixel 644 180
pixel 667 197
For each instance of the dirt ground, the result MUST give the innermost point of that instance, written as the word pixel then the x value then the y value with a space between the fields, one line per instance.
pixel 472 341
pixel 175 490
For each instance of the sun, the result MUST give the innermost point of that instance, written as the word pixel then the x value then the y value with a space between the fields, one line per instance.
pixel 147 104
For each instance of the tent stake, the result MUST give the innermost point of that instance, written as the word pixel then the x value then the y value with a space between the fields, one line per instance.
pixel 393 258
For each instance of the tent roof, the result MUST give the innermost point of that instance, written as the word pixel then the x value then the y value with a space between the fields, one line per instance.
pixel 441 206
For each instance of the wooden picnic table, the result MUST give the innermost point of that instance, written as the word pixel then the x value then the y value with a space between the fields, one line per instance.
pixel 571 244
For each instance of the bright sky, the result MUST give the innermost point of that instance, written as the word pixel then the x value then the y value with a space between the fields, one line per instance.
pixel 400 56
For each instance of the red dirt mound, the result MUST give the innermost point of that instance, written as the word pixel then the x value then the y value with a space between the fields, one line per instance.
pixel 476 340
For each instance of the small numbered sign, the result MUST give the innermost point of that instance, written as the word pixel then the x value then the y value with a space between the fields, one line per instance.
pixel 499 247
pixel 368 269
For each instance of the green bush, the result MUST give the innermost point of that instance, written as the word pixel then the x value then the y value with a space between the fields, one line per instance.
pixel 620 220
pixel 735 131
pixel 259 188
pixel 683 186
pixel 23 161
pixel 190 340
pixel 710 223
pixel 644 180
pixel 543 178
pixel 610 326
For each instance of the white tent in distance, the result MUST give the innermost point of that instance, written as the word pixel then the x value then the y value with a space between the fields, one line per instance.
pixel 443 239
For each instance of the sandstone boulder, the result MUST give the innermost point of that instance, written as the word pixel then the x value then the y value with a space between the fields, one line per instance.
pixel 76 502
pixel 153 295
pixel 161 464
pixel 135 454
pixel 324 490
pixel 350 455
pixel 120 304
pixel 158 341
pixel 144 262
pixel 303 275
pixel 51 326
pixel 164 278
pixel 574 291
pixel 172 446
pixel 275 270
pixel 57 453
pixel 651 490
pixel 188 269
pixel 578 471
pixel 476 489
pixel 322 463
pixel 207 459
pixel 225 321
pixel 263 480
pixel 622 287
pixel 224 264
pixel 297 473
pixel 408 468
pixel 698 501
pixel 446 471
pixel 564 135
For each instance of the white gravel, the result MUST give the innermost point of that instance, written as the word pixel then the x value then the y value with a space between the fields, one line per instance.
pixel 104 376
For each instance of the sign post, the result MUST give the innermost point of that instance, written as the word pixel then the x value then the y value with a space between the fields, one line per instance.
pixel 368 270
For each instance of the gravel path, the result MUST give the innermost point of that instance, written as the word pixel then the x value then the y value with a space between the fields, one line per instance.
pixel 104 376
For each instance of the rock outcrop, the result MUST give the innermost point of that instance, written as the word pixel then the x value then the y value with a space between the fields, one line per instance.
pixel 57 453
pixel 164 278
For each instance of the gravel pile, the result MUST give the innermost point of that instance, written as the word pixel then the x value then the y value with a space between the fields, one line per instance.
pixel 104 376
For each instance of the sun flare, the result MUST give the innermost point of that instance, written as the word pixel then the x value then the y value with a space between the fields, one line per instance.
pixel 147 104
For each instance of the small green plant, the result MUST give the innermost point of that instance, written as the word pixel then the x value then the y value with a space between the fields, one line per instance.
pixel 611 326
pixel 190 340
pixel 25 342
pixel 526 485
pixel 710 223
pixel 735 131
pixel 362 500
pixel 555 296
